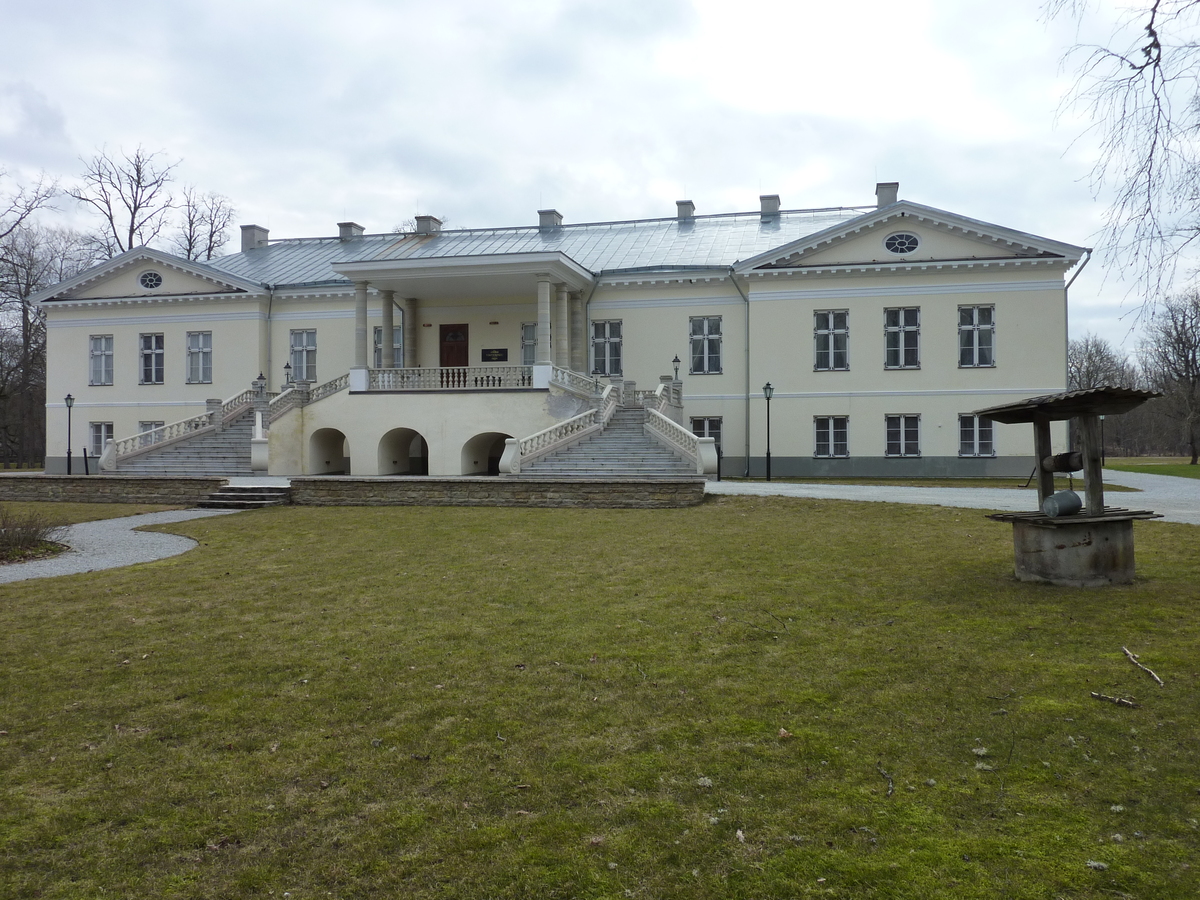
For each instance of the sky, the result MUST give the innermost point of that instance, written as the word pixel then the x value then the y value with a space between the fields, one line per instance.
pixel 308 113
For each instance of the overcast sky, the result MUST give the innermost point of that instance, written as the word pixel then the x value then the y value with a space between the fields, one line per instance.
pixel 309 113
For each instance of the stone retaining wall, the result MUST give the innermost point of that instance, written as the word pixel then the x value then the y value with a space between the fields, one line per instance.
pixel 185 491
pixel 483 491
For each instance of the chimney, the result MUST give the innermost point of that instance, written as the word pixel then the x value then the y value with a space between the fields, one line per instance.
pixel 348 231
pixel 549 218
pixel 428 224
pixel 685 209
pixel 253 237
pixel 770 205
pixel 886 193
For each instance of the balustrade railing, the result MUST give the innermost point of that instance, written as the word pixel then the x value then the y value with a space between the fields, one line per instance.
pixel 456 378
pixel 574 382
pixel 283 402
pixel 170 431
pixel 330 387
pixel 700 451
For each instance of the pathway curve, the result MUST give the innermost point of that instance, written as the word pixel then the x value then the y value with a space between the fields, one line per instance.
pixel 1178 499
pixel 110 543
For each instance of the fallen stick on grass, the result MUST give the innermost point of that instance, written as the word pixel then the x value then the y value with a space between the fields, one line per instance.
pixel 1120 701
pixel 891 784
pixel 1134 659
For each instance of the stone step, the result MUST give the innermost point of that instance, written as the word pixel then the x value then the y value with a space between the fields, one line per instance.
pixel 246 497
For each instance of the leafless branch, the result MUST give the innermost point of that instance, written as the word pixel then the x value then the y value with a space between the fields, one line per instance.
pixel 1134 659
pixel 130 193
pixel 18 204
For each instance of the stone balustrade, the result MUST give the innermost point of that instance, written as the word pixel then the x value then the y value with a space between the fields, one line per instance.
pixel 456 378
pixel 701 451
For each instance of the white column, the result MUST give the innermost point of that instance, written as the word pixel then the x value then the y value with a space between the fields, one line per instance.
pixel 542 355
pixel 360 324
pixel 388 351
pixel 578 334
pixel 562 330
pixel 411 360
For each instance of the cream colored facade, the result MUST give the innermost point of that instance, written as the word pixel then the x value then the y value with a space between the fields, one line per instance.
pixel 488 284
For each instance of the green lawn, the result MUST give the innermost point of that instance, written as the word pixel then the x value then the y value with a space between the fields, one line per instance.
pixel 1178 467
pixel 74 513
pixel 1061 483
pixel 493 703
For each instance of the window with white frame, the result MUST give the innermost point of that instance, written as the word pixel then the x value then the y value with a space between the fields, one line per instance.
pixel 528 343
pixel 606 347
pixel 304 355
pixel 199 357
pixel 101 433
pixel 144 433
pixel 101 359
pixel 902 336
pixel 397 346
pixel 976 334
pixel 152 353
pixel 832 436
pixel 831 335
pixel 706 344
pixel 975 436
pixel 903 436
pixel 707 426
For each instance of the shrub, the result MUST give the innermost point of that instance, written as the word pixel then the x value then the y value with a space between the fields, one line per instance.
pixel 24 531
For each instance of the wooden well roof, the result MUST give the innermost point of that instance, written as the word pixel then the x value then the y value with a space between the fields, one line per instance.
pixel 1102 401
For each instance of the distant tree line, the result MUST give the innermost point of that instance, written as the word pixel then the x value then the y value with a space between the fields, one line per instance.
pixel 1168 361
pixel 132 199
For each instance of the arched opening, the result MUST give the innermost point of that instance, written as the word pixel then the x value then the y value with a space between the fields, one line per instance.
pixel 328 453
pixel 481 454
pixel 403 451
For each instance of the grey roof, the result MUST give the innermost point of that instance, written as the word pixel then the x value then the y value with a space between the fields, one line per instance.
pixel 702 242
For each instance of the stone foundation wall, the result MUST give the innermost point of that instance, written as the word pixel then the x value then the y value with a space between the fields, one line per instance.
pixel 467 491
pixel 107 488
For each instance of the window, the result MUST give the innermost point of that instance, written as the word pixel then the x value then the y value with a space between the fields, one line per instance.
pixel 831 436
pixel 150 280
pixel 976 329
pixel 304 355
pixel 101 359
pixel 706 345
pixel 606 347
pixel 902 333
pixel 528 343
pixel 102 433
pixel 147 439
pixel 901 242
pixel 153 357
pixel 831 330
pixel 903 436
pixel 199 357
pixel 397 346
pixel 975 436
pixel 707 426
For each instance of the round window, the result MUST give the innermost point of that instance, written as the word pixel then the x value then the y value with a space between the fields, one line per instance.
pixel 150 280
pixel 901 242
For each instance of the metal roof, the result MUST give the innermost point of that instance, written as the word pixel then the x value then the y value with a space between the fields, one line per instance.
pixel 716 241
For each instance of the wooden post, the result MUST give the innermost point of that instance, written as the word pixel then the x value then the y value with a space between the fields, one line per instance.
pixel 1089 432
pixel 1041 449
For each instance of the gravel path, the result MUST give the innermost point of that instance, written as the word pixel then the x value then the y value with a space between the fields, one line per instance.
pixel 110 543
pixel 1178 499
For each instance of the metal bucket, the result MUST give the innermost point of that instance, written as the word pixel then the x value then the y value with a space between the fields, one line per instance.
pixel 1064 503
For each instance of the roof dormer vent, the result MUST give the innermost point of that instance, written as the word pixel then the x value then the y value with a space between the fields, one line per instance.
pixel 348 231
pixel 685 209
pixel 769 204
pixel 549 218
pixel 428 224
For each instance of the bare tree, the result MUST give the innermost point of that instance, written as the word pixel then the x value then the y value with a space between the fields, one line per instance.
pixel 31 258
pixel 1143 95
pixel 130 193
pixel 1092 362
pixel 1170 355
pixel 204 228
pixel 18 204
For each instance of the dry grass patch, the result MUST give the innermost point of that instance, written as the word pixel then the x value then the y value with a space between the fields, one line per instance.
pixel 431 702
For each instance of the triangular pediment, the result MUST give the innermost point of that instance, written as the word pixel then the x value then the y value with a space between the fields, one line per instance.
pixel 145 273
pixel 906 234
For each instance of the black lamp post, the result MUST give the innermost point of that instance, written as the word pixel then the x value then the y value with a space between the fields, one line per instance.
pixel 768 391
pixel 675 363
pixel 287 373
pixel 70 401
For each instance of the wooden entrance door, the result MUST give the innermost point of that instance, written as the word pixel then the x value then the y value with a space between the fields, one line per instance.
pixel 455 348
